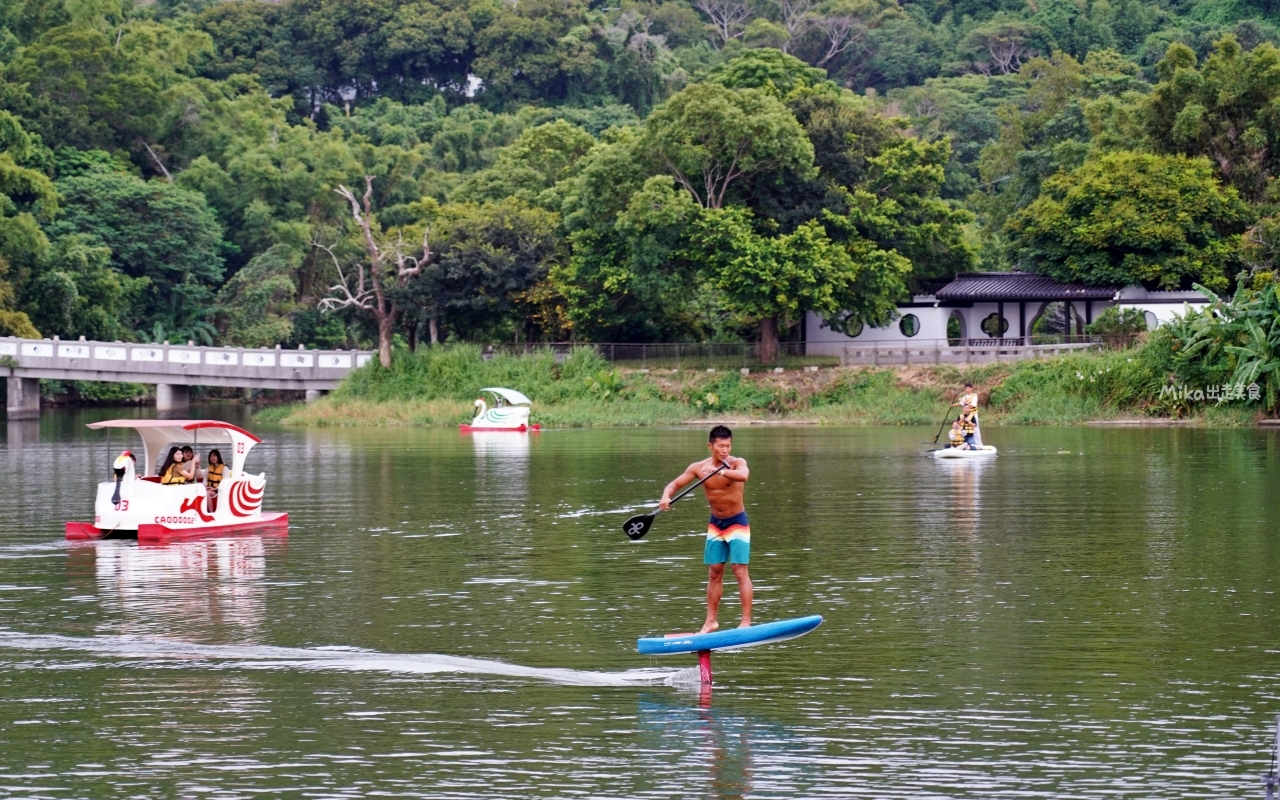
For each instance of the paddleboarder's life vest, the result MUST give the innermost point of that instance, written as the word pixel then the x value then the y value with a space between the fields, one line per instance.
pixel 956 436
pixel 966 423
pixel 213 475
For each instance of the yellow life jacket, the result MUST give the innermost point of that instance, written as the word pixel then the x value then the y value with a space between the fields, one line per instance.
pixel 213 475
pixel 173 475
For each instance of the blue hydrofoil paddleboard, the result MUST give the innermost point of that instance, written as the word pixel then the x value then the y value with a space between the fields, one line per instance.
pixel 730 639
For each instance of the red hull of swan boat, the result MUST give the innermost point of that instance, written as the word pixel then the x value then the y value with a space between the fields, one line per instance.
pixel 155 533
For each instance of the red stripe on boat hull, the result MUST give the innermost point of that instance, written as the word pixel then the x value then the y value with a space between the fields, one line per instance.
pixel 150 533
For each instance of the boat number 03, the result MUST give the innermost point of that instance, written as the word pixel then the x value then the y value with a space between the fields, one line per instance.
pixel 123 505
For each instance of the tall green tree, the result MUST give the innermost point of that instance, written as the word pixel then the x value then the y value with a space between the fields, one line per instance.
pixel 27 198
pixel 771 281
pixel 873 184
pixel 255 308
pixel 535 162
pixel 155 231
pixel 624 279
pixel 76 292
pixel 1224 110
pixel 1134 218
pixel 712 139
pixel 532 52
pixel 110 89
pixel 489 259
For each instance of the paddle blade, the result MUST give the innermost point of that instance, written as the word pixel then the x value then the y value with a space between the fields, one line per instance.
pixel 638 526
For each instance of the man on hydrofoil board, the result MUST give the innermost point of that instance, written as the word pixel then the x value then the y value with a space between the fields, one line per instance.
pixel 728 532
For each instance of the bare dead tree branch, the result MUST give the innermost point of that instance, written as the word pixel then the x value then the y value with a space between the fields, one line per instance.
pixel 156 159
pixel 1006 52
pixel 726 17
pixel 841 32
pixel 384 268
pixel 796 19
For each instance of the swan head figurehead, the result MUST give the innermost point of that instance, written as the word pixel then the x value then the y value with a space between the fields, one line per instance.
pixel 481 407
pixel 123 469
pixel 123 465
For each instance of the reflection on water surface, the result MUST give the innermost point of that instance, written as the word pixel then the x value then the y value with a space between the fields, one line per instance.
pixel 1090 614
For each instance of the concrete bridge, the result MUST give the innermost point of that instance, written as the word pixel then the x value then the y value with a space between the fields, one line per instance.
pixel 172 368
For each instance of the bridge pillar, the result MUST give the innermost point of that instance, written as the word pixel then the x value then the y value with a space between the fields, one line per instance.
pixel 23 400
pixel 314 395
pixel 22 432
pixel 172 398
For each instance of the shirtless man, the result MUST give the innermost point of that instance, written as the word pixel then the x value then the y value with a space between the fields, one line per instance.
pixel 729 532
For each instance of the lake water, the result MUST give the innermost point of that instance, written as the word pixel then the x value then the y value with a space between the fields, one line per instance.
pixel 1092 614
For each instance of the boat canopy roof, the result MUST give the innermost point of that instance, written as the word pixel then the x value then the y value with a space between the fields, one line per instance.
pixel 157 433
pixel 510 395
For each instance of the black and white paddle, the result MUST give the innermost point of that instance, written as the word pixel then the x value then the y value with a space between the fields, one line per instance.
pixel 638 526
pixel 943 425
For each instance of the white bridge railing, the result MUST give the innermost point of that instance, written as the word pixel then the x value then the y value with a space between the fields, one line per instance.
pixel 177 365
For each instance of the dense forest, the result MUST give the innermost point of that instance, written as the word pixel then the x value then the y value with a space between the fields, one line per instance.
pixel 346 172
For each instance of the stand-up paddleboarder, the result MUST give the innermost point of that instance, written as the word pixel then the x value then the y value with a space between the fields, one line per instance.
pixel 970 398
pixel 729 532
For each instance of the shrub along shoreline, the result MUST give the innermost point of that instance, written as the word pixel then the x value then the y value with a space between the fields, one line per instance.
pixel 436 387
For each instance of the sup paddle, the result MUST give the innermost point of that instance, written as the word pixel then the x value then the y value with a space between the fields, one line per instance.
pixel 638 526
pixel 944 423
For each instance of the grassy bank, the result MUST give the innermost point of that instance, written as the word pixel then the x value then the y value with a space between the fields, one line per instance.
pixel 437 387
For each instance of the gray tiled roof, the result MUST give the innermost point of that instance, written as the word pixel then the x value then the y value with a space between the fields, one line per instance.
pixel 995 286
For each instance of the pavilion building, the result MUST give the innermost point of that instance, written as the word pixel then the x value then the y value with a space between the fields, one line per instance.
pixel 1005 306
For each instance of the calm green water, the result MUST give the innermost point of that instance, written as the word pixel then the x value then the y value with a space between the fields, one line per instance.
pixel 1099 622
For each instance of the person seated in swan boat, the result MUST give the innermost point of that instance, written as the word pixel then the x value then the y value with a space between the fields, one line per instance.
pixel 212 477
pixel 171 472
pixel 191 465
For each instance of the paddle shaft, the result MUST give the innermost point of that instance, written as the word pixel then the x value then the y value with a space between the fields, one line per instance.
pixel 638 526
pixel 943 425
pixel 696 485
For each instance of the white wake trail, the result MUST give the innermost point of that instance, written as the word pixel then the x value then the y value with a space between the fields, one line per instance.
pixel 341 659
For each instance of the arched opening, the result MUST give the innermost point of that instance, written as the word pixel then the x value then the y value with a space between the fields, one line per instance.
pixel 1152 322
pixel 1052 324
pixel 956 334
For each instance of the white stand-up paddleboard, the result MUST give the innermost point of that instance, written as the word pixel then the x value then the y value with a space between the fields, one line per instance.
pixel 957 452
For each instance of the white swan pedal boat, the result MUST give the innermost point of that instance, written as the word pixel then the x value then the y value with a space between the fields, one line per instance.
pixel 959 452
pixel 510 412
pixel 139 502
